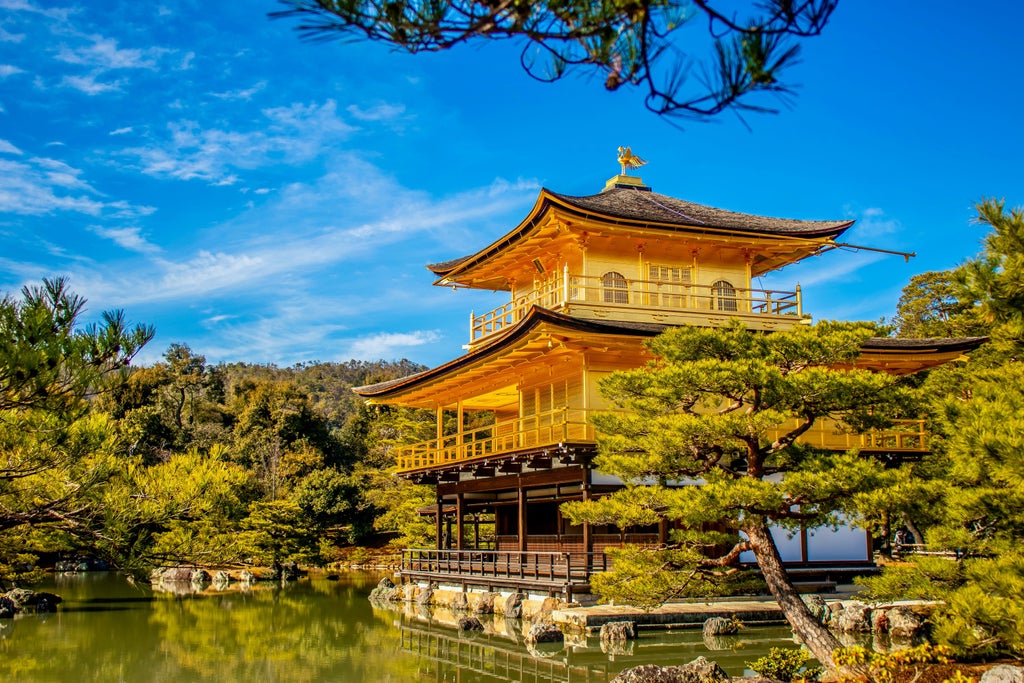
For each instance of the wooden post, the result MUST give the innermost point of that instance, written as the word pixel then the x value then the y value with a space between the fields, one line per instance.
pixel 588 541
pixel 459 500
pixel 440 506
pixel 522 517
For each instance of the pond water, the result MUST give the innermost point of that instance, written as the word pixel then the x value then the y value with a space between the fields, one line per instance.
pixel 311 630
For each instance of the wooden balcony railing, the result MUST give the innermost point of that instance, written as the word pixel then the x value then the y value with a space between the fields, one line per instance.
pixel 557 426
pixel 903 436
pixel 654 296
pixel 571 425
pixel 547 567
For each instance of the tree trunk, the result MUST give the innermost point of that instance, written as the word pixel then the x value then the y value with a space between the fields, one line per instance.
pixel 809 630
pixel 912 528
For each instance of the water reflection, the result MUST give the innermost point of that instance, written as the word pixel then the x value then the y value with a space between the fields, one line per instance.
pixel 318 630
pixel 499 653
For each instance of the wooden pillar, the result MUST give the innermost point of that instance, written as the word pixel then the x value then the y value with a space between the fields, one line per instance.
pixel 588 541
pixel 522 517
pixel 439 521
pixel 460 499
pixel 803 544
pixel 476 531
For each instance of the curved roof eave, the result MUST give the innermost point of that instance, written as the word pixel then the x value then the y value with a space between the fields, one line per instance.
pixel 667 213
pixel 534 317
pixel 537 316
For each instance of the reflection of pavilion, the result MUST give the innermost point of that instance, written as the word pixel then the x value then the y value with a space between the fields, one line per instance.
pixel 500 655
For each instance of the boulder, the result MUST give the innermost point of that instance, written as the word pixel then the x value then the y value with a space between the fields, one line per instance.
pixel 484 603
pixel 1003 673
pixel 171 574
pixel 221 578
pixel 460 602
pixel 409 591
pixel 513 606
pixel 383 586
pixel 905 623
pixel 855 618
pixel 470 624
pixel 7 607
pixel 720 626
pixel 880 621
pixel 618 631
pixel 699 670
pixel 544 633
pixel 45 605
pixel 199 576
pixel 425 596
pixel 21 597
pixel 247 576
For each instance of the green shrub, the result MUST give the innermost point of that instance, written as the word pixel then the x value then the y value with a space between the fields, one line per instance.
pixel 780 664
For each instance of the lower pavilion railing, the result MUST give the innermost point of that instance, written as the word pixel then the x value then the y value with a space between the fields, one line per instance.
pixel 567 425
pixel 551 569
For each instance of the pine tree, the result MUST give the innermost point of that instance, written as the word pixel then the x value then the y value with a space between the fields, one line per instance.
pixel 722 409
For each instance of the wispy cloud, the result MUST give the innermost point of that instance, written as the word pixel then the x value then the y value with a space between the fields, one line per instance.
pixel 90 85
pixel 121 131
pixel 8 148
pixel 41 186
pixel 378 112
pixel 242 94
pixel 390 345
pixel 103 54
pixel 288 135
pixel 129 238
pixel 7 70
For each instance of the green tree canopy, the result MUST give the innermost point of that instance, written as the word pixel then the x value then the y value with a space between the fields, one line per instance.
pixel 718 416
pixel 54 457
pixel 625 42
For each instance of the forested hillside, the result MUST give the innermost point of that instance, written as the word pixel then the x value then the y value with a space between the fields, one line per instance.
pixel 185 461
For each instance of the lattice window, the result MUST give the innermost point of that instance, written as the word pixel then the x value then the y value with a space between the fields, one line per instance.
pixel 616 288
pixel 724 296
pixel 669 285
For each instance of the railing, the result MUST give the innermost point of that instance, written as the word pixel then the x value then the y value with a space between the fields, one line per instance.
pixel 656 296
pixel 512 566
pixel 571 425
pixel 556 426
pixel 903 436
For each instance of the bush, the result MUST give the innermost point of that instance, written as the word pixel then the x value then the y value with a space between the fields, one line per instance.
pixel 780 664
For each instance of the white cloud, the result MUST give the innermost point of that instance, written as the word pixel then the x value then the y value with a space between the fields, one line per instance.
pixel 25 6
pixel 89 85
pixel 379 112
pixel 9 70
pixel 129 238
pixel 245 94
pixel 390 345
pixel 874 223
pixel 41 186
pixel 290 135
pixel 121 131
pixel 8 37
pixel 8 148
pixel 104 54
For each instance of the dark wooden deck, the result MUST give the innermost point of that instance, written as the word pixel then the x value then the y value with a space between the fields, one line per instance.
pixel 553 572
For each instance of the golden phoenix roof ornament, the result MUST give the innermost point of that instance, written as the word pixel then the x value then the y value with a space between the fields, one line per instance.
pixel 629 160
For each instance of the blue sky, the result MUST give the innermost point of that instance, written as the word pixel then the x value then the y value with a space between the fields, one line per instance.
pixel 270 200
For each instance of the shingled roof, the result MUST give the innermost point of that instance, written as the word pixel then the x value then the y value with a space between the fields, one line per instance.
pixel 642 207
pixel 537 315
pixel 633 204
